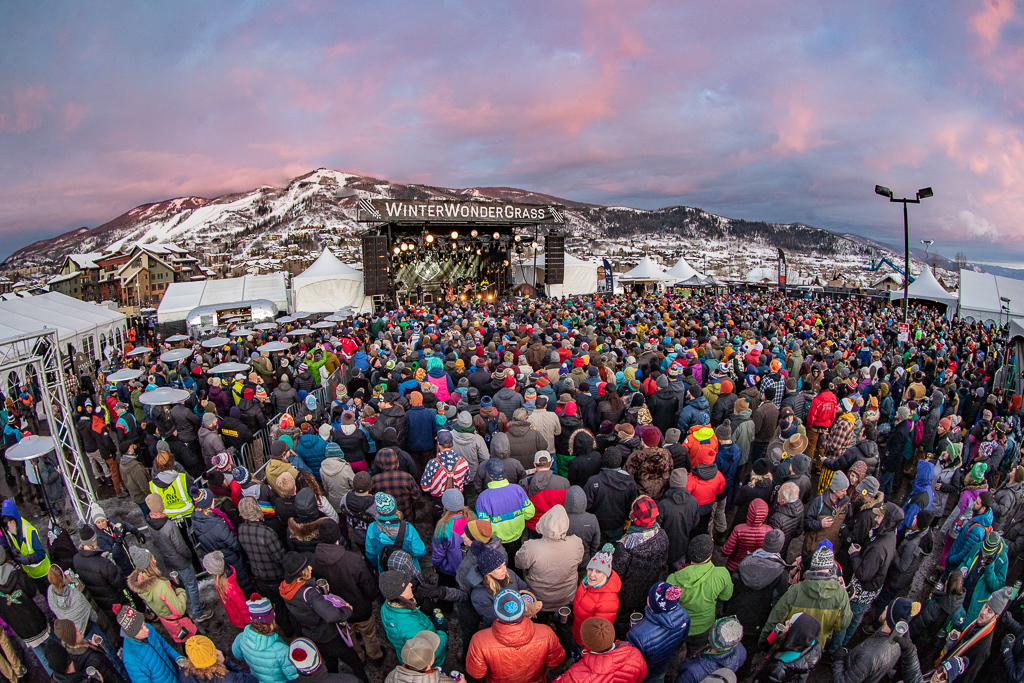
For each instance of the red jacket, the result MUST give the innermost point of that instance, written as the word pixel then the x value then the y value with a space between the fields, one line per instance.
pixel 233 600
pixel 705 490
pixel 823 410
pixel 595 602
pixel 746 538
pixel 702 445
pixel 622 664
pixel 542 502
pixel 514 653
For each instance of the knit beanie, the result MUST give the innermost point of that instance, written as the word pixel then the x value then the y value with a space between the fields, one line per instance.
pixel 672 435
pixel 487 558
pixel 261 610
pixel 840 482
pixel 452 500
pixel 385 504
pixel 773 541
pixel 304 655
pixel 140 557
pixel 700 549
pixel 479 530
pixel 723 432
pixel 130 621
pixel 155 503
pixel 726 634
pixel 597 634
pixel 214 562
pixel 509 606
pixel 362 482
pixel 651 437
pixel 201 652
pixel 900 609
pixel 677 480
pixel 663 597
pixel 823 558
pixel 991 543
pixel 644 512
pixel 393 584
pixel 602 560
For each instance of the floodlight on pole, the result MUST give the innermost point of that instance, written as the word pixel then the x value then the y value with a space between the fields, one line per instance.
pixel 923 193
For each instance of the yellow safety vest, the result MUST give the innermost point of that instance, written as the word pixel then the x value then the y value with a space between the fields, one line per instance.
pixel 177 502
pixel 24 547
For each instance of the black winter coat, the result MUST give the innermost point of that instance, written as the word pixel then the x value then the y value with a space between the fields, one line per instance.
pixel 101 577
pixel 213 533
pixel 722 410
pixel 678 515
pixel 610 496
pixel 348 576
pixel 391 417
pixel 789 519
pixel 639 568
pixel 570 423
pixel 315 615
pixel 20 611
pixel 664 407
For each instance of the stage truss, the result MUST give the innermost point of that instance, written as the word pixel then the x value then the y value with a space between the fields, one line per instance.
pixel 39 353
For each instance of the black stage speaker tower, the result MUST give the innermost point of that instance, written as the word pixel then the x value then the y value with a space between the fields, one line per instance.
pixel 375 265
pixel 554 260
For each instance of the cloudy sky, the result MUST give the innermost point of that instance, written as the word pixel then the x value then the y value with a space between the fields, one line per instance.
pixel 779 111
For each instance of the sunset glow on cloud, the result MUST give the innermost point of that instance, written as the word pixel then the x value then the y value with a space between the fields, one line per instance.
pixel 766 111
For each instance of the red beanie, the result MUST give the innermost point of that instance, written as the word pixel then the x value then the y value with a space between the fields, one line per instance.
pixel 651 436
pixel 570 408
pixel 510 382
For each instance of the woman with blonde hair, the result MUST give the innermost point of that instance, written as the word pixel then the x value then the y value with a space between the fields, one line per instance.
pixel 206 663
pixel 168 602
pixel 446 545
pixel 306 480
pixel 489 577
pixel 228 590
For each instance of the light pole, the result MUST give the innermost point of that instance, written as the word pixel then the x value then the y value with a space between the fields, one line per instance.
pixel 927 244
pixel 923 193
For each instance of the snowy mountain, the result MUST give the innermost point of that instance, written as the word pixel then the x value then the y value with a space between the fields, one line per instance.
pixel 305 213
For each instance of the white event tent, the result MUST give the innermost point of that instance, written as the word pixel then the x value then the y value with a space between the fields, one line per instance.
pixel 982 294
pixel 329 285
pixel 580 276
pixel 82 326
pixel 927 288
pixel 182 297
pixel 682 271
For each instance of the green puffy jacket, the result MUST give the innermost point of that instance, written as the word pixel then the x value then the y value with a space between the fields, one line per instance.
pixel 401 624
pixel 703 585
pixel 993 577
pixel 825 600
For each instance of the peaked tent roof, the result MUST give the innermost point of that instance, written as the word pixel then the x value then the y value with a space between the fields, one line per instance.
pixel 647 270
pixel 682 270
pixel 327 265
pixel 927 288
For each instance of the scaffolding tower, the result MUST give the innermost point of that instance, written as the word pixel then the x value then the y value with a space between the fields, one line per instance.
pixel 39 353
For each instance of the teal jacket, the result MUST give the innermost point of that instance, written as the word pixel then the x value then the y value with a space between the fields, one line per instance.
pixel 267 656
pixel 151 660
pixel 993 577
pixel 506 507
pixel 401 624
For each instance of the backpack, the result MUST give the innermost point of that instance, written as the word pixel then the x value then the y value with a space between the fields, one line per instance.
pixel 388 551
pixel 493 425
pixel 917 436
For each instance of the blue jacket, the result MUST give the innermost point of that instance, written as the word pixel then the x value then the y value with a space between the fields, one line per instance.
pixel 422 429
pixel 267 656
pixel 312 449
pixel 151 660
pixel 727 460
pixel 377 539
pixel 973 532
pixel 657 636
pixel 697 411
pixel 700 667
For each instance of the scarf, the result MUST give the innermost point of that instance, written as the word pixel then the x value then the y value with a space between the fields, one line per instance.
pixel 636 536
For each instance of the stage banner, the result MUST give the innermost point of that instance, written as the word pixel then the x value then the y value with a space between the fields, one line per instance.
pixel 444 211
pixel 609 279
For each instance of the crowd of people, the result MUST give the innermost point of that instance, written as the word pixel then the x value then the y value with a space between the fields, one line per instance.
pixel 720 487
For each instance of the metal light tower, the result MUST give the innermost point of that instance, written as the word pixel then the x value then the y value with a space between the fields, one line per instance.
pixel 923 193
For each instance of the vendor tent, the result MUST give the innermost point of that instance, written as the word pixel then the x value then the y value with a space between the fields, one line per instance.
pixel 329 285
pixel 646 273
pixel 82 327
pixel 682 271
pixel 182 297
pixel 927 288
pixel 580 276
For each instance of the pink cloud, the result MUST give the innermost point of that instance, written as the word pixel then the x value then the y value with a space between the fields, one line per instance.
pixel 990 20
pixel 73 115
pixel 26 109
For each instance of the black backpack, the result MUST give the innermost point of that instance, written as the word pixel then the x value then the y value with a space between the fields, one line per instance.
pixel 385 554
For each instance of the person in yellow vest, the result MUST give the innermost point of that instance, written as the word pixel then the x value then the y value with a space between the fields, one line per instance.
pixel 172 485
pixel 24 541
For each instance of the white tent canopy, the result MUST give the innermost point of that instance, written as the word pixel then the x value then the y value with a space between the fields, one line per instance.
pixel 580 277
pixel 682 270
pixel 756 275
pixel 182 297
pixel 927 288
pixel 82 326
pixel 329 285
pixel 645 271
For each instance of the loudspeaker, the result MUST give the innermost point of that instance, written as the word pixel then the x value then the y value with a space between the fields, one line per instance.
pixel 375 265
pixel 554 260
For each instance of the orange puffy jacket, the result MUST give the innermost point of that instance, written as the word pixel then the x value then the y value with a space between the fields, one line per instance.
pixel 514 653
pixel 595 602
pixel 622 664
pixel 702 445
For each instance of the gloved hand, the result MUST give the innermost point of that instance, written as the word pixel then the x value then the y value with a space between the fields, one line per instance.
pixel 429 591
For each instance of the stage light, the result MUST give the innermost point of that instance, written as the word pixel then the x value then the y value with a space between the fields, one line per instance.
pixel 429 239
pixel 478 252
pixel 519 238
pixel 455 234
pixel 467 248
pixel 397 250
pixel 490 297
pixel 404 246
pixel 462 298
pixel 412 245
pixel 496 235
pixel 505 263
pixel 479 295
pixel 473 233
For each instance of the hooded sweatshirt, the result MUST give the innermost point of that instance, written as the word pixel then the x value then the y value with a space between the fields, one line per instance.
pixel 550 563
pixel 582 524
